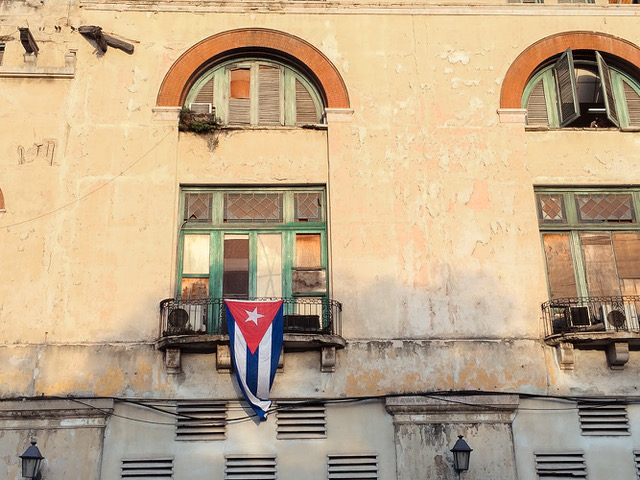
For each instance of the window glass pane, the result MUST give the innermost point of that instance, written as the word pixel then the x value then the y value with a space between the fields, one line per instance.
pixel 308 207
pixel 195 258
pixel 197 207
pixel 602 278
pixel 626 247
pixel 235 277
pixel 605 208
pixel 195 289
pixel 269 265
pixel 308 250
pixel 562 281
pixel 253 207
pixel 551 208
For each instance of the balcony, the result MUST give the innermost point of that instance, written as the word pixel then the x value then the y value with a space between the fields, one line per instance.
pixel 200 326
pixel 609 323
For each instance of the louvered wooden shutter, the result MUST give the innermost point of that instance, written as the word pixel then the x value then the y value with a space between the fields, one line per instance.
pixel 537 106
pixel 305 107
pixel 205 95
pixel 563 70
pixel 609 99
pixel 240 96
pixel 633 104
pixel 1 52
pixel 269 95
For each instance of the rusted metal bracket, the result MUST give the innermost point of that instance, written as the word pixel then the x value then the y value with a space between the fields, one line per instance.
pixel 104 40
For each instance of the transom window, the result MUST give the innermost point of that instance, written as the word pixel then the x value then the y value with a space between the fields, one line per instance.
pixel 583 89
pixel 253 243
pixel 256 92
pixel 591 241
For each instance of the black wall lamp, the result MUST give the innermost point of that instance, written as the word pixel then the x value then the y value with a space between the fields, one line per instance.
pixel 31 460
pixel 461 454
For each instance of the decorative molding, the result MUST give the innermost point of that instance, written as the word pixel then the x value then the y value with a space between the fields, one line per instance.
pixel 328 360
pixel 512 115
pixel 617 355
pixel 54 413
pixel 31 70
pixel 339 115
pixel 453 409
pixel 173 360
pixel 166 114
pixel 565 355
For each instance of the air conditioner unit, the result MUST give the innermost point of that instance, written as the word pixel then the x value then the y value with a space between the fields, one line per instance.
pixel 201 107
pixel 617 317
pixel 192 317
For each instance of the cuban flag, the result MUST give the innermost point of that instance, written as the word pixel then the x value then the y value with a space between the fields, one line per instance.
pixel 255 336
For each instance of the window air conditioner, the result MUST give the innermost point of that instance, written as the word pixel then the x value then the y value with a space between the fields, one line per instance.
pixel 619 318
pixel 201 107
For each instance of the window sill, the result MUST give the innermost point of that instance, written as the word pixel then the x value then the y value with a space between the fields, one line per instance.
pixel 541 128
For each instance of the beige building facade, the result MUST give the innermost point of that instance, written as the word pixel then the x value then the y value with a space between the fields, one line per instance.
pixel 414 179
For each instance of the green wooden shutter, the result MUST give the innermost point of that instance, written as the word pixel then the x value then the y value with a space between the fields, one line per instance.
pixel 205 95
pixel 239 96
pixel 537 106
pixel 563 71
pixel 633 104
pixel 269 95
pixel 609 100
pixel 305 106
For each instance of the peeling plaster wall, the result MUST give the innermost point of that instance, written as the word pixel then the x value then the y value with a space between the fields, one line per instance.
pixel 435 249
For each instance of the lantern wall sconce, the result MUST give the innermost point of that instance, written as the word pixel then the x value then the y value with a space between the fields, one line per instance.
pixel 31 460
pixel 461 454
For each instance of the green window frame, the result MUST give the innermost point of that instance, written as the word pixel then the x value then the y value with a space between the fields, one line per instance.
pixel 555 95
pixel 254 91
pixel 591 241
pixel 252 243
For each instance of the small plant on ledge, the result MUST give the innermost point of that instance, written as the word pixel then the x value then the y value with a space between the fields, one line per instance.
pixel 191 121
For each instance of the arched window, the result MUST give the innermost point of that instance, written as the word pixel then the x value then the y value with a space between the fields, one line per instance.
pixel 583 89
pixel 255 91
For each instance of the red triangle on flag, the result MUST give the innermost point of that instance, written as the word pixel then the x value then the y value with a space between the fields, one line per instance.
pixel 253 318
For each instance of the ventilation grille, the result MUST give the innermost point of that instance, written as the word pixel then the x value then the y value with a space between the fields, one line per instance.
pixel 241 467
pixel 147 469
pixel 201 421
pixel 609 420
pixel 537 106
pixel 636 458
pixel 295 421
pixel 351 467
pixel 561 465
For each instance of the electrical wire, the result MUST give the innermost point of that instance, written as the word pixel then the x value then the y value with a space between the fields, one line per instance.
pixel 88 194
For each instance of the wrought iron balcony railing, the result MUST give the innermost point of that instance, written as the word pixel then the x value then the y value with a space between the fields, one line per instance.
pixel 208 316
pixel 591 314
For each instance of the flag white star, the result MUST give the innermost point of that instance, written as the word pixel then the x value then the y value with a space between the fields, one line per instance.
pixel 253 316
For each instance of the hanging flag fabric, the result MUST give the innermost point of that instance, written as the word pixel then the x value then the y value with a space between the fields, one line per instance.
pixel 255 337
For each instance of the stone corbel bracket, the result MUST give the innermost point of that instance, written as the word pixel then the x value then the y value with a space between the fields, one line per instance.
pixel 31 70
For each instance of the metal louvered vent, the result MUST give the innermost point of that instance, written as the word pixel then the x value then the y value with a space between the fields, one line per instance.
pixel 201 420
pixel 633 104
pixel 301 421
pixel 352 467
pixel 147 468
pixel 250 467
pixel 560 465
pixel 636 458
pixel 537 106
pixel 610 420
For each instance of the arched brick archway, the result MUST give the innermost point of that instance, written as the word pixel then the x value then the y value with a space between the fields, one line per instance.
pixel 177 81
pixel 523 66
